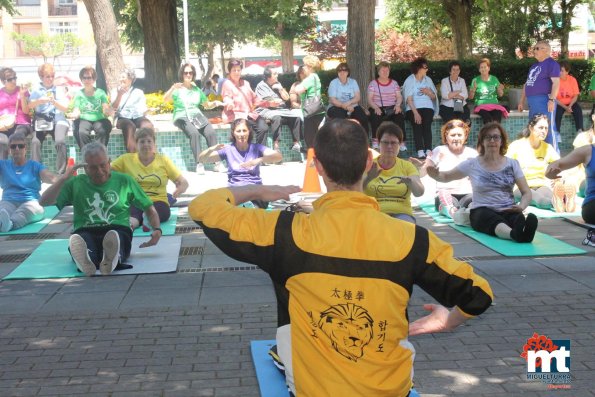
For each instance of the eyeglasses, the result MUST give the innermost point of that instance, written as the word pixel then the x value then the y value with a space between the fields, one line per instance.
pixel 17 146
pixel 188 72
pixel 389 143
pixel 87 77
pixel 495 138
pixel 11 79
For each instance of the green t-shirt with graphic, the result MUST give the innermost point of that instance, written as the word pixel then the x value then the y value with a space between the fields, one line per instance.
pixel 91 107
pixel 186 102
pixel 487 91
pixel 592 86
pixel 102 205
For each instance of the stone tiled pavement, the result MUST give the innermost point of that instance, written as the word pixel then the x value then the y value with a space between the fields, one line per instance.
pixel 188 333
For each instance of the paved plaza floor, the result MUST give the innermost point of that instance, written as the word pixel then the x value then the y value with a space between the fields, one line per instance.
pixel 188 333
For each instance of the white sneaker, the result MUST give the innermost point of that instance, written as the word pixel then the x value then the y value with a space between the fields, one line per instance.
pixel 200 169
pixel 219 167
pixel 80 255
pixel 5 222
pixel 428 153
pixel 421 154
pixel 111 252
pixel 403 147
pixel 590 239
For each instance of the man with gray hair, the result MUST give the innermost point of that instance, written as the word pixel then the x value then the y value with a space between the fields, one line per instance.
pixel 101 199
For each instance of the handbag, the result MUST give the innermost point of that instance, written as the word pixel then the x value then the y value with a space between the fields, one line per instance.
pixel 199 120
pixel 313 105
pixel 458 103
pixel 7 121
pixel 387 111
pixel 44 122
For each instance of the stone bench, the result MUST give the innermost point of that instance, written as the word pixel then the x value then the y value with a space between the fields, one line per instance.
pixel 172 142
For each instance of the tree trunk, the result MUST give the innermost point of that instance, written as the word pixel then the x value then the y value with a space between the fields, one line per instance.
pixel 105 30
pixel 210 63
pixel 287 55
pixel 459 12
pixel 360 43
pixel 162 52
pixel 223 65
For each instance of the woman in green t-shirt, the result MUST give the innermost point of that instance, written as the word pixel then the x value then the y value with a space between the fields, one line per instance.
pixel 308 88
pixel 90 109
pixel 486 89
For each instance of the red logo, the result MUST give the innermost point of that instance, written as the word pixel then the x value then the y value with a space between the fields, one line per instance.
pixel 538 342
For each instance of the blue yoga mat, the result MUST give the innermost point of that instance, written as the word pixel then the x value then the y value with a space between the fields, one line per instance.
pixel 168 228
pixel 430 209
pixel 32 228
pixel 270 380
pixel 542 245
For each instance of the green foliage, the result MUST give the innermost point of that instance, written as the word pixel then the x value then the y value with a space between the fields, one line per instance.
pixel 8 6
pixel 126 12
pixel 47 46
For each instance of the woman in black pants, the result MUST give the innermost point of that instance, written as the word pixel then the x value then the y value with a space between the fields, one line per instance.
pixel 420 96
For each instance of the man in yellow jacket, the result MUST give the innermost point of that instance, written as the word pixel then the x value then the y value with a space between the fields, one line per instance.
pixel 343 275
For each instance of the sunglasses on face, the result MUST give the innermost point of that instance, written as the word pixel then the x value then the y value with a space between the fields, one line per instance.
pixel 87 77
pixel 17 146
pixel 189 73
pixel 10 79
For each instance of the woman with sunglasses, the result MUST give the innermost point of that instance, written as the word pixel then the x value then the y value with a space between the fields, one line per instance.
pixel 450 196
pixel 49 105
pixel 20 180
pixel 309 92
pixel 188 116
pixel 421 99
pixel 14 110
pixel 90 109
pixel 344 97
pixel 493 176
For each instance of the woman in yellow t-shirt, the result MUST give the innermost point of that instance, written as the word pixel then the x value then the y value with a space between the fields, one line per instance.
pixel 392 180
pixel 151 170
pixel 534 155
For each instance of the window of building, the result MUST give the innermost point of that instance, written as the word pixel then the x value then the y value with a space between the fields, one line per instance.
pixel 28 3
pixel 65 27
pixel 66 2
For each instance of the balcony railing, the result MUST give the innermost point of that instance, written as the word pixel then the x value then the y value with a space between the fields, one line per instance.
pixel 62 10
pixel 27 12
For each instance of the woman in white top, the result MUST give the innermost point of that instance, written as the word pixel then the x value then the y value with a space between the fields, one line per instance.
pixel 453 91
pixel 130 107
pixel 385 99
pixel 344 97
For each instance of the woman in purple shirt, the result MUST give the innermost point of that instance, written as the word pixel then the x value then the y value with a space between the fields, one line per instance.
pixel 243 157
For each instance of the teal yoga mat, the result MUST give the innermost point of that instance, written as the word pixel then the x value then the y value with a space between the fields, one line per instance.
pixel 430 209
pixel 542 245
pixel 270 380
pixel 51 259
pixel 32 228
pixel 168 228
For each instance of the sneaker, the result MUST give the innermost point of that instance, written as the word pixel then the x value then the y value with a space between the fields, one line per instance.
pixel 219 167
pixel 403 147
pixel 111 252
pixel 590 239
pixel 5 222
pixel 428 153
pixel 558 197
pixel 447 207
pixel 570 197
pixel 276 359
pixel 80 255
pixel 421 154
pixel 200 169
pixel 296 147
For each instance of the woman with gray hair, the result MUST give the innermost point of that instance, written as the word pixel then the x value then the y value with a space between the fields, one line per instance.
pixel 130 107
pixel 20 180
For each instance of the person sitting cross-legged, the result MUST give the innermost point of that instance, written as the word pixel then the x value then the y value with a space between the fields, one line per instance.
pixel 102 237
pixel 343 274
pixel 20 180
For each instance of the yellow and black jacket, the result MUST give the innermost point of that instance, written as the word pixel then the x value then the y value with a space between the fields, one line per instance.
pixel 343 276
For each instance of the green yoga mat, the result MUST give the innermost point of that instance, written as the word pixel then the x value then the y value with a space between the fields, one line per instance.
pixel 32 228
pixel 51 259
pixel 542 245
pixel 550 213
pixel 168 228
pixel 430 209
